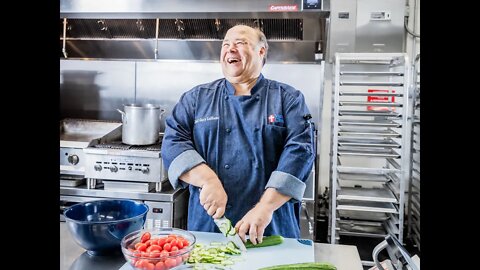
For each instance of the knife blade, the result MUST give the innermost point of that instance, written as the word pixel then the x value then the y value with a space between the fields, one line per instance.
pixel 225 226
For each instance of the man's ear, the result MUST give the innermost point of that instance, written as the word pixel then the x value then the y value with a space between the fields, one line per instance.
pixel 262 51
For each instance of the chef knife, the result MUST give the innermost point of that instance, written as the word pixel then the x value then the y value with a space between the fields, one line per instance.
pixel 225 226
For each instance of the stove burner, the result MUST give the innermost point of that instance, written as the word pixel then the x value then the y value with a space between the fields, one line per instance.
pixel 121 146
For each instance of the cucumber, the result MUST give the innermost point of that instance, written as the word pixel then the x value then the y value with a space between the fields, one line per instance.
pixel 267 241
pixel 225 227
pixel 300 266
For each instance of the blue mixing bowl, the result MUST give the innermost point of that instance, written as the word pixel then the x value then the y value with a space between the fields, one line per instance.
pixel 99 226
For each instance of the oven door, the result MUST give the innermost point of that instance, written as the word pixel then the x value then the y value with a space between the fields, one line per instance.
pixel 160 214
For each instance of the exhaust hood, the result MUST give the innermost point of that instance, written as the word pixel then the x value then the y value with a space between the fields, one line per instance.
pixel 188 29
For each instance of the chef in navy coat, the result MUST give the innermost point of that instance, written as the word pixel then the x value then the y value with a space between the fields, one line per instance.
pixel 243 145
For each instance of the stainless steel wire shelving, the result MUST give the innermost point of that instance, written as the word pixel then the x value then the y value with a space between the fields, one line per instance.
pixel 371 143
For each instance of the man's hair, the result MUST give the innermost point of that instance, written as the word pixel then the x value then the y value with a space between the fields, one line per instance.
pixel 262 39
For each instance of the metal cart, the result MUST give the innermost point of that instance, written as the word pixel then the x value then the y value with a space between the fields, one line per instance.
pixel 413 209
pixel 370 146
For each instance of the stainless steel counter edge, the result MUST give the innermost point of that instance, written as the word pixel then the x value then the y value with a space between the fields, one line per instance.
pixel 167 195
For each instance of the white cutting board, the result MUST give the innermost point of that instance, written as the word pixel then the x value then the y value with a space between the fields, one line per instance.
pixel 290 251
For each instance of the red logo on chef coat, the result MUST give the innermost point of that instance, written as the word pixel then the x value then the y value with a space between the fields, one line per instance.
pixel 271 118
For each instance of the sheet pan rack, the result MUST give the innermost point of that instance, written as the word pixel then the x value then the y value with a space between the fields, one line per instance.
pixel 413 209
pixel 370 146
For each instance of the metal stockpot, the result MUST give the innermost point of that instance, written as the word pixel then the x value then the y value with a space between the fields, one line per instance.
pixel 141 123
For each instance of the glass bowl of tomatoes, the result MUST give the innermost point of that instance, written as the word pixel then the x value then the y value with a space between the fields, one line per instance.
pixel 160 248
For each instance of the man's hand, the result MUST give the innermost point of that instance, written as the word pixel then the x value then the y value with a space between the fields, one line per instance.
pixel 213 198
pixel 258 218
pixel 254 223
pixel 212 194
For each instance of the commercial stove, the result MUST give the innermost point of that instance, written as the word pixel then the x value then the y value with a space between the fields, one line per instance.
pixel 114 170
pixel 78 134
pixel 120 166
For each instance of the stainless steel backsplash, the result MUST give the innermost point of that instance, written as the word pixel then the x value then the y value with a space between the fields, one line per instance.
pixel 95 89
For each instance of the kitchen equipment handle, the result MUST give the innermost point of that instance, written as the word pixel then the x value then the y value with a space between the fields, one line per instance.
pixel 376 251
pixel 162 111
pixel 123 114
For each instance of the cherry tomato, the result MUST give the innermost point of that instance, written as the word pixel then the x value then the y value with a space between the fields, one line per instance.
pixel 155 254
pixel 142 247
pixel 143 263
pixel 162 241
pixel 154 247
pixel 170 263
pixel 160 266
pixel 179 244
pixel 150 266
pixel 137 254
pixel 145 237
pixel 167 247
pixel 154 241
pixel 164 254
pixel 137 245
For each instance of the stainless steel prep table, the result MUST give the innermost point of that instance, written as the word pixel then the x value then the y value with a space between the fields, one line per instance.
pixel 73 257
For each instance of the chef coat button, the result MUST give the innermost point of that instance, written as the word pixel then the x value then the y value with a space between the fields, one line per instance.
pixel 257 97
pixel 228 130
pixel 227 166
pixel 226 97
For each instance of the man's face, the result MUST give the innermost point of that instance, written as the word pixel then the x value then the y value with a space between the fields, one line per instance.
pixel 240 56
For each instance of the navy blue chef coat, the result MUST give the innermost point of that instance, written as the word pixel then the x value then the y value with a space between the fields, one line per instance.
pixel 251 142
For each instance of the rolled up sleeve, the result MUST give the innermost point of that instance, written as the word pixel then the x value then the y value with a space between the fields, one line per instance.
pixel 297 157
pixel 287 184
pixel 181 164
pixel 178 151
